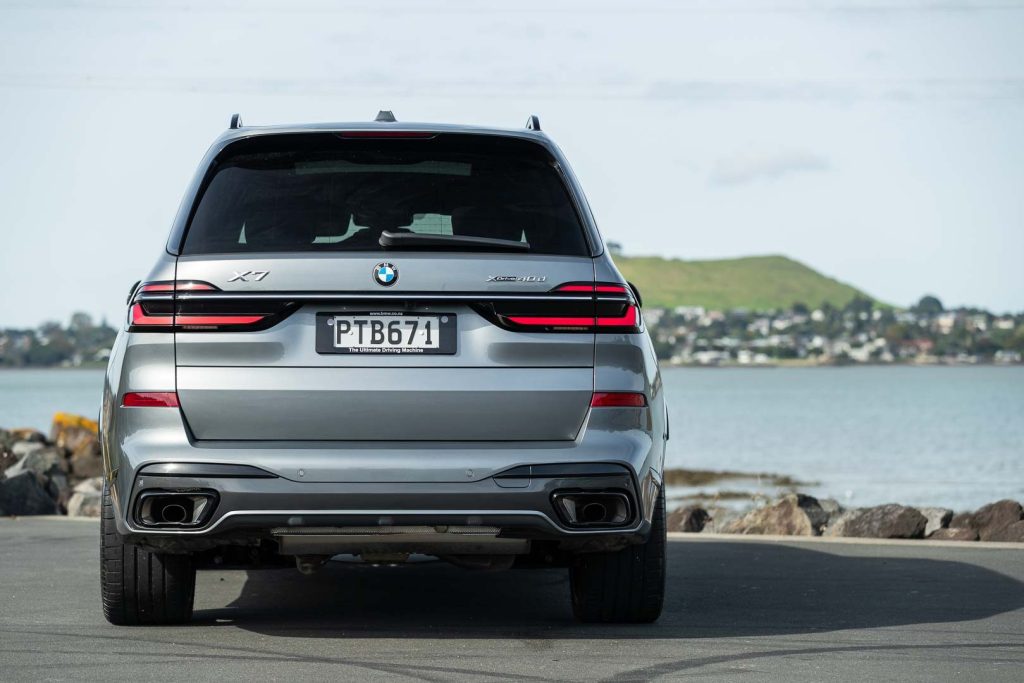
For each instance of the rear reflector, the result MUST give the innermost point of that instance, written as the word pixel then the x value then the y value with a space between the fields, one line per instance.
pixel 618 399
pixel 150 399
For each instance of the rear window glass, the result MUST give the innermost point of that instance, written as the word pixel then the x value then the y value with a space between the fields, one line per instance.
pixel 322 193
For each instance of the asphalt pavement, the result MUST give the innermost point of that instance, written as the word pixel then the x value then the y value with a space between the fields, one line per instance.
pixel 738 609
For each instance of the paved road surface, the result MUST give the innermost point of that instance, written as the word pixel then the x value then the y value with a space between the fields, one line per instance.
pixel 738 610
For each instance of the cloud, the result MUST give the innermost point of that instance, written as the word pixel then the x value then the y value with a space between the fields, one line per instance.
pixel 750 167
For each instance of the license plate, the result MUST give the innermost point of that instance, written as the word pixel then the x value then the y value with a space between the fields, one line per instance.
pixel 386 332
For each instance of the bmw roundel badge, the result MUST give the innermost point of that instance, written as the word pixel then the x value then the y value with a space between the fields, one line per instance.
pixel 385 274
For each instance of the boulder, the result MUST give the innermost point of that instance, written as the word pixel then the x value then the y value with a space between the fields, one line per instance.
pixel 85 503
pixel 954 534
pixel 1014 533
pixel 794 515
pixel 938 518
pixel 882 521
pixel 994 517
pixel 24 494
pixel 28 434
pixel 23 448
pixel 690 519
pixel 39 460
pixel 85 461
pixel 73 431
pixel 962 520
pixel 7 460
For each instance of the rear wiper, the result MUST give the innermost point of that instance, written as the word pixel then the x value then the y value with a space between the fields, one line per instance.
pixel 412 240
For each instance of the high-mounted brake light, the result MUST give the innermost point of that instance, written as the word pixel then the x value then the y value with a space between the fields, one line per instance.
pixel 150 399
pixel 618 399
pixel 386 134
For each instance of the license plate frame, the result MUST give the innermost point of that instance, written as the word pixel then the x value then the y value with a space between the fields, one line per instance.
pixel 447 334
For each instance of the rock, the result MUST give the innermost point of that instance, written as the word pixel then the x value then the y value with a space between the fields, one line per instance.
pixel 84 504
pixel 938 518
pixel 690 519
pixel 1014 533
pixel 93 484
pixel 962 520
pixel 73 431
pixel 7 460
pixel 794 515
pixel 954 534
pixel 23 448
pixel 25 495
pixel 28 434
pixel 994 517
pixel 882 521
pixel 832 508
pixel 85 461
pixel 39 460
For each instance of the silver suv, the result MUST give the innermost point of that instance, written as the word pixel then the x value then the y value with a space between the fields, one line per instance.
pixel 383 339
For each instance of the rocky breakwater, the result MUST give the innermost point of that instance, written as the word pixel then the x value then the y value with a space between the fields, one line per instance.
pixel 796 514
pixel 51 475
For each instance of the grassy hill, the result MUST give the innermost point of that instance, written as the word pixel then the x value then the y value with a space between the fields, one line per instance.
pixel 755 282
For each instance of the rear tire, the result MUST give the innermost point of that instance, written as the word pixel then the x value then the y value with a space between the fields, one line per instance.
pixel 140 587
pixel 626 586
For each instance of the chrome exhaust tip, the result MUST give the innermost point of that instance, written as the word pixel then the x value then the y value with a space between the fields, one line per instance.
pixel 173 509
pixel 597 509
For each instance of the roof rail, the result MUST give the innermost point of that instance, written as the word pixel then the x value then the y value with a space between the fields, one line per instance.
pixel 236 121
pixel 533 123
pixel 385 116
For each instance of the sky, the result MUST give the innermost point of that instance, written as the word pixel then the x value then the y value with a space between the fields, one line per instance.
pixel 879 142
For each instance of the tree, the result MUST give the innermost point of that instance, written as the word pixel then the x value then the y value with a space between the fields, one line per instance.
pixel 928 305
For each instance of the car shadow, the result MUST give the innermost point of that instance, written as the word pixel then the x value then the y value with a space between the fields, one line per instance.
pixel 716 589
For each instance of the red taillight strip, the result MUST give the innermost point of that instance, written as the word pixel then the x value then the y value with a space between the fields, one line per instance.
pixel 618 399
pixel 597 287
pixel 628 320
pixel 550 321
pixel 187 320
pixel 141 318
pixel 177 286
pixel 150 399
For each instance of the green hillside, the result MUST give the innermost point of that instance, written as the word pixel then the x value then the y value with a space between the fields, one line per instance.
pixel 755 282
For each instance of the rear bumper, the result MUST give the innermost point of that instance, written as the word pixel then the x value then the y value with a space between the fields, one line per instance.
pixel 262 508
pixel 305 486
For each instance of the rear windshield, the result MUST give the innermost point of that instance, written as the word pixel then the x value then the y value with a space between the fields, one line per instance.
pixel 322 193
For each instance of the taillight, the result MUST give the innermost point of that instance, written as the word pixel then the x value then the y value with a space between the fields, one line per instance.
pixel 600 287
pixel 177 286
pixel 194 306
pixel 618 399
pixel 604 307
pixel 150 399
